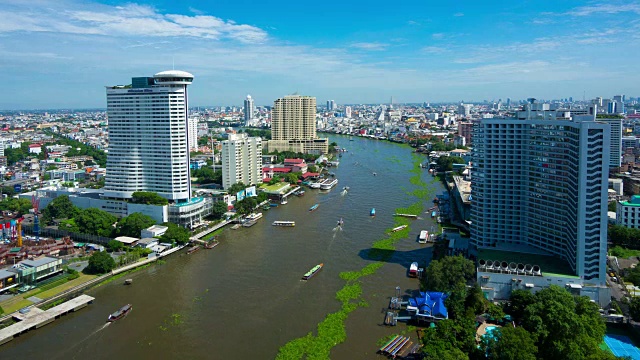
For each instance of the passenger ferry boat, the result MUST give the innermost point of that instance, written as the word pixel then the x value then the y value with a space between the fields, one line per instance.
pixel 315 206
pixel 314 185
pixel 251 219
pixel 328 184
pixel 120 313
pixel 284 223
pixel 312 272
pixel 193 249
pixel 413 269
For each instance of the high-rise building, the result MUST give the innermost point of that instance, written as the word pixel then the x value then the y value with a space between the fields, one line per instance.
pixel 615 152
pixel 193 133
pixel 464 130
pixel 331 105
pixel 249 109
pixel 464 109
pixel 241 160
pixel 293 126
pixel 553 206
pixel 347 112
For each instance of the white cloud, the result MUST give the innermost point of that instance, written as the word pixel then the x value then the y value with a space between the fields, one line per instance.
pixel 605 9
pixel 459 14
pixel 128 20
pixel 373 46
pixel 437 36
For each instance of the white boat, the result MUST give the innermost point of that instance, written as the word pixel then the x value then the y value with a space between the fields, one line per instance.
pixel 284 201
pixel 328 184
pixel 413 269
pixel 401 227
pixel 424 237
pixel 284 223
pixel 314 185
pixel 251 219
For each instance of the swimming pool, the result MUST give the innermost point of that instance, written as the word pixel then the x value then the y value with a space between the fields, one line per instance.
pixel 621 346
pixel 489 331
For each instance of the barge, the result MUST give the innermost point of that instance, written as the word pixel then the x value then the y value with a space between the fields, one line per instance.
pixel 284 223
pixel 312 272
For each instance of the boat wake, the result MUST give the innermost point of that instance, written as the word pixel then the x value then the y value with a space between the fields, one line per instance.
pixel 82 342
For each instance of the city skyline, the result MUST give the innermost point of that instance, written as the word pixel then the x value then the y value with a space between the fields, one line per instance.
pixel 62 54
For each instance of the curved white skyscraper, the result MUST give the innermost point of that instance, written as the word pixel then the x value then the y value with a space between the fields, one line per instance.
pixel 148 137
pixel 248 109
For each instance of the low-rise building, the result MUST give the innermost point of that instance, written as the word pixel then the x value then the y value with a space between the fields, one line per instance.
pixel 127 240
pixel 32 271
pixel 462 197
pixel 153 231
pixel 628 212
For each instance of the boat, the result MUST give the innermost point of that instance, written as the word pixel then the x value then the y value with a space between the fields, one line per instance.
pixel 120 313
pixel 283 201
pixel 266 207
pixel 413 269
pixel 328 184
pixel 406 215
pixel 251 219
pixel 372 212
pixel 314 185
pixel 273 204
pixel 193 249
pixel 315 206
pixel 312 272
pixel 299 193
pixel 212 244
pixel 346 188
pixel 424 237
pixel 284 223
pixel 401 227
pixel 435 200
pixel 433 214
pixel 340 222
pixel 128 281
pixel 375 174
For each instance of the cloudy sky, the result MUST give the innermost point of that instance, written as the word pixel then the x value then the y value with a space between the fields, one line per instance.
pixel 61 53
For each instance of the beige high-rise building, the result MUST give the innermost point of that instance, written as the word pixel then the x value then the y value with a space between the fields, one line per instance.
pixel 293 126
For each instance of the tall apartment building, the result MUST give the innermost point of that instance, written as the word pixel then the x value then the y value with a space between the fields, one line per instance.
pixel 293 126
pixel 615 152
pixel 539 186
pixel 193 133
pixel 331 105
pixel 241 160
pixel 148 137
pixel 249 110
pixel 464 130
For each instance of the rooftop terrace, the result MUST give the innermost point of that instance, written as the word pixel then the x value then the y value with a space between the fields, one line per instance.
pixel 549 265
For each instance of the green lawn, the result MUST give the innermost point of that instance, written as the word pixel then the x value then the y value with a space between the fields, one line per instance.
pixel 622 252
pixel 19 301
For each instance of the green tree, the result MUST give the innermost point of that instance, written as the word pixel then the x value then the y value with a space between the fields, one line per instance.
pixel 509 343
pixel 219 209
pixel 443 275
pixel 634 308
pixel 60 208
pixel 445 163
pixel 132 225
pixel 69 225
pixel 96 222
pixel 292 178
pixel 612 206
pixel 20 205
pixel 495 311
pixel 99 263
pixel 148 197
pixel 175 234
pixel 475 300
pixel 518 302
pixel 235 188
pixel 114 245
pixel 246 206
pixel 565 326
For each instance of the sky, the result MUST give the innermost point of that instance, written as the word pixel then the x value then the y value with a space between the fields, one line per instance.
pixel 57 54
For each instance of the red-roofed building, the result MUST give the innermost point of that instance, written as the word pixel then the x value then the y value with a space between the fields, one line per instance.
pixel 307 175
pixel 35 149
pixel 296 165
pixel 271 171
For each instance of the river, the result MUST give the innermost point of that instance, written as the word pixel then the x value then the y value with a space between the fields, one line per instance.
pixel 244 298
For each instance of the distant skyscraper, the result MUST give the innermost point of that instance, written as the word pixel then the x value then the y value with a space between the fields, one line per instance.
pixel 508 102
pixel 193 133
pixel 347 112
pixel 148 137
pixel 557 203
pixel 241 160
pixel 249 109
pixel 293 126
pixel 331 105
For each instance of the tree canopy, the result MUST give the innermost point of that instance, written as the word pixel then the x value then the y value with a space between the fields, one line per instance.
pixel 246 205
pixel 445 163
pixel 148 197
pixel 175 234
pixel 509 343
pixel 21 205
pixel 235 188
pixel 624 236
pixel 96 222
pixel 445 274
pixel 60 208
pixel 206 175
pixel 132 225
pixel 99 263
pixel 218 209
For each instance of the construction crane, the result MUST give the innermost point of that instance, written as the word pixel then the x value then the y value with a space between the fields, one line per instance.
pixel 35 202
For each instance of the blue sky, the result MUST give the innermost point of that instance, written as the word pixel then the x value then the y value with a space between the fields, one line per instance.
pixel 61 53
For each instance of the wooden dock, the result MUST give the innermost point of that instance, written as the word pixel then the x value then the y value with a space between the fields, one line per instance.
pixel 37 318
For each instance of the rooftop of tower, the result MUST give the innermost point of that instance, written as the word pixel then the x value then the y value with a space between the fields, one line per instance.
pixel 173 73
